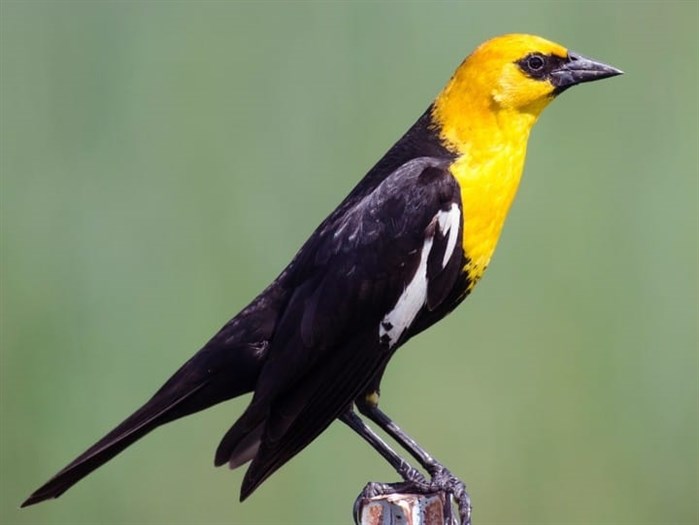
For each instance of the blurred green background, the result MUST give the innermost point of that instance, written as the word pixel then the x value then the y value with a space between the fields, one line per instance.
pixel 162 161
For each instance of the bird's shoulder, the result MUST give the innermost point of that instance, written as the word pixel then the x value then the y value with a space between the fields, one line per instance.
pixel 377 215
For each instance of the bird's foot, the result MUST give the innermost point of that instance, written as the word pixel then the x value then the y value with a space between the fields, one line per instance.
pixel 374 489
pixel 442 481
pixel 414 481
pixel 445 481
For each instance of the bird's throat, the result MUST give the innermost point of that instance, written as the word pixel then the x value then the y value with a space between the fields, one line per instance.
pixel 489 178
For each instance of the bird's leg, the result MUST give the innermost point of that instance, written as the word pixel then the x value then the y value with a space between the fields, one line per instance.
pixel 369 407
pixel 442 479
pixel 414 480
pixel 406 471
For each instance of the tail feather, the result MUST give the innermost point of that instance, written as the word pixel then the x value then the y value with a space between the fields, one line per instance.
pixel 147 418
pixel 239 445
pixel 211 376
pixel 247 448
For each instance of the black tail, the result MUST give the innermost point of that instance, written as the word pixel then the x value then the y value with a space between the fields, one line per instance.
pixel 211 376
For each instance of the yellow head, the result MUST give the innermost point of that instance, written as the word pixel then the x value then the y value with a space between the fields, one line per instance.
pixel 485 114
pixel 516 75
pixel 501 68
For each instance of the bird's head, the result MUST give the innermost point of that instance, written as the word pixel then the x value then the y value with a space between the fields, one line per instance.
pixel 515 74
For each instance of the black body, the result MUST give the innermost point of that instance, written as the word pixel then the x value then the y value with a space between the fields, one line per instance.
pixel 309 344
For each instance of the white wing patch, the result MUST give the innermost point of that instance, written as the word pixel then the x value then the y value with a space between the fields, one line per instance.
pixel 414 296
pixel 449 223
pixel 409 303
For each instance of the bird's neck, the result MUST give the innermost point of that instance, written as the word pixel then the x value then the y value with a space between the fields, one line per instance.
pixel 490 144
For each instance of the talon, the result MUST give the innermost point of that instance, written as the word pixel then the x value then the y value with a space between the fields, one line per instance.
pixel 374 489
pixel 443 480
pixel 449 484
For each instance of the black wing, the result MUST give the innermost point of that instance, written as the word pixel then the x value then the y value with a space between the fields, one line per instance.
pixel 358 285
pixel 226 367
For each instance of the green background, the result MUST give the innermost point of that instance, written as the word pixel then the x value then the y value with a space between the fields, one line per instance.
pixel 162 162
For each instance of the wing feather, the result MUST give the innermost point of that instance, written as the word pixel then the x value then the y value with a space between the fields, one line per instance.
pixel 397 251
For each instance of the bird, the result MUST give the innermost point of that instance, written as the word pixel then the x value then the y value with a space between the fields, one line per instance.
pixel 399 253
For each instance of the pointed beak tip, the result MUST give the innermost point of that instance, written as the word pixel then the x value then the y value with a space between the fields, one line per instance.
pixel 611 70
pixel 579 69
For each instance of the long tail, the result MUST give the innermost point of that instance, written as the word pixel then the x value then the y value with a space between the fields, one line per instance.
pixel 212 375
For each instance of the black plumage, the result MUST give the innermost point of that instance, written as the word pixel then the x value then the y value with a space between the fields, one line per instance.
pixel 311 342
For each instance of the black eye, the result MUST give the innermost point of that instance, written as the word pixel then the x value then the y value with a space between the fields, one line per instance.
pixel 535 63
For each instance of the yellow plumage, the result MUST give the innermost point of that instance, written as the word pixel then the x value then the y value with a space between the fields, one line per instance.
pixel 485 114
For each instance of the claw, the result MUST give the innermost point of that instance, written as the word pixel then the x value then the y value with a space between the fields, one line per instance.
pixel 374 489
pixel 443 480
pixel 396 502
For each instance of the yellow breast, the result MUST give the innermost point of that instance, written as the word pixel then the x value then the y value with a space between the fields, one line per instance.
pixel 489 181
pixel 484 115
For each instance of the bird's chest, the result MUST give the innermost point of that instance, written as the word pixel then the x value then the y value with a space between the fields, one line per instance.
pixel 488 183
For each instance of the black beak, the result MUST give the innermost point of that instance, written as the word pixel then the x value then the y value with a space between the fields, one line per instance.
pixel 577 69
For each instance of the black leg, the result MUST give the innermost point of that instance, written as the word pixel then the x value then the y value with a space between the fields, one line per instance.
pixel 406 471
pixel 442 479
pixel 375 414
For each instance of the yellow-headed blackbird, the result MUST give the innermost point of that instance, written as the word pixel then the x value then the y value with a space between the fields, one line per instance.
pixel 402 250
